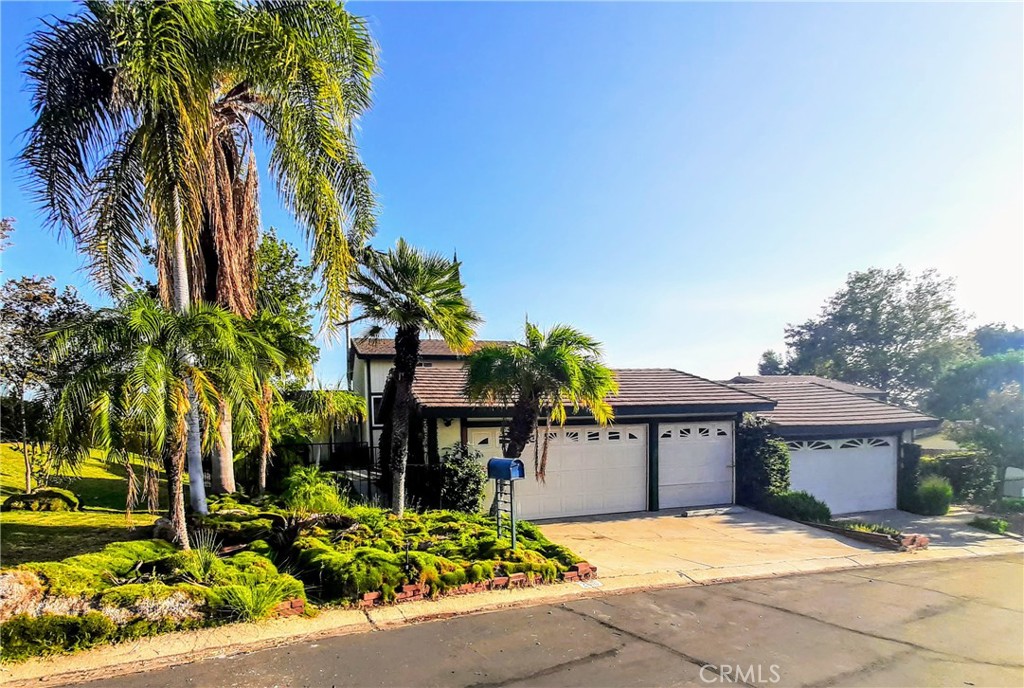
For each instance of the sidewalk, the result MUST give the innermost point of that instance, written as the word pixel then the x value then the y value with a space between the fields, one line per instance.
pixel 642 552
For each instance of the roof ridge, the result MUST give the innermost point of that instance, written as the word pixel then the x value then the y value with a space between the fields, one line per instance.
pixel 722 384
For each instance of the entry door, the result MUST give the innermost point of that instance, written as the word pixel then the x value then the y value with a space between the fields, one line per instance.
pixel 695 464
pixel 590 470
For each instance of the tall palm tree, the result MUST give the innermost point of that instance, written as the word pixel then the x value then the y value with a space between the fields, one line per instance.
pixel 143 369
pixel 542 375
pixel 145 111
pixel 412 292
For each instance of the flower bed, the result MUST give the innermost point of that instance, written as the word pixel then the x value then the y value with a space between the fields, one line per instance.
pixel 359 557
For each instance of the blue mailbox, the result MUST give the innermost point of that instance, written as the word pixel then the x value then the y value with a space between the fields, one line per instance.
pixel 505 469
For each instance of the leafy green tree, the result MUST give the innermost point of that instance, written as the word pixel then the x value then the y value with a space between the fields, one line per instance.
pixel 143 370
pixel 998 338
pixel 885 329
pixel 997 429
pixel 30 308
pixel 771 363
pixel 964 385
pixel 543 374
pixel 412 292
pixel 144 125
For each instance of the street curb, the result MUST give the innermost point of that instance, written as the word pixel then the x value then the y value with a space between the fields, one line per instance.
pixel 223 641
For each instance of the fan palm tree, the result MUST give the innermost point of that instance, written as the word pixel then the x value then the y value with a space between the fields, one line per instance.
pixel 143 369
pixel 412 292
pixel 145 112
pixel 542 375
pixel 327 408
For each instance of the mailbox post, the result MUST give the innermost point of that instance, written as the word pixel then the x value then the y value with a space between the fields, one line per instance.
pixel 505 473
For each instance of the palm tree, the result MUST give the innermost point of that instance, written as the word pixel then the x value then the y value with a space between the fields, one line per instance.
pixel 544 374
pixel 327 408
pixel 144 124
pixel 412 292
pixel 142 370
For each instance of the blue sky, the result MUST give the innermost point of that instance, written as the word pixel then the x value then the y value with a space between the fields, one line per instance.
pixel 679 180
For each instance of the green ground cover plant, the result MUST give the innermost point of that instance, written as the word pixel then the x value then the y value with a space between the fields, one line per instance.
pixel 992 525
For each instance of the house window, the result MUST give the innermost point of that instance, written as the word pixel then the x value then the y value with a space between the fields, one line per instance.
pixel 614 436
pixel 818 445
pixel 666 435
pixel 375 410
pixel 484 441
pixel 721 432
pixel 424 364
pixel 704 432
pixel 593 435
pixel 552 436
pixel 685 432
pixel 572 436
pixel 631 436
pixel 795 446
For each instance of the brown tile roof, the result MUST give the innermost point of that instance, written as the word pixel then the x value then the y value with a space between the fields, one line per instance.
pixel 638 388
pixel 790 379
pixel 384 347
pixel 810 407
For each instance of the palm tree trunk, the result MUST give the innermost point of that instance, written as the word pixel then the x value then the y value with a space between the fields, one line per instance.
pixel 407 355
pixel 521 426
pixel 196 486
pixel 265 448
pixel 24 441
pixel 223 468
pixel 174 465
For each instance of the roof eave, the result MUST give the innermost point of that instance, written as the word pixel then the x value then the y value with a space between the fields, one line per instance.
pixel 842 429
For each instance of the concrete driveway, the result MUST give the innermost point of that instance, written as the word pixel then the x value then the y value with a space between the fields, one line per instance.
pixel 736 544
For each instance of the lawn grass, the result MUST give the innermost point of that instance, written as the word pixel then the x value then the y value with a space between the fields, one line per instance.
pixel 54 535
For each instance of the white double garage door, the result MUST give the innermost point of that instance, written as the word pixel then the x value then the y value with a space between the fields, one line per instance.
pixel 854 474
pixel 594 470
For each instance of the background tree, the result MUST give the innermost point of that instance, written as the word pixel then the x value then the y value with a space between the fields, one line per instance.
pixel 771 363
pixel 30 308
pixel 143 113
pixel 996 429
pixel 998 338
pixel 959 390
pixel 543 374
pixel 885 329
pixel 412 292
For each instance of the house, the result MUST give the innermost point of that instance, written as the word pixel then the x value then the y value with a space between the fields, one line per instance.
pixel 672 443
pixel 843 441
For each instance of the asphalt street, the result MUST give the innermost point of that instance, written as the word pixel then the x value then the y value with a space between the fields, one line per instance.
pixel 952 623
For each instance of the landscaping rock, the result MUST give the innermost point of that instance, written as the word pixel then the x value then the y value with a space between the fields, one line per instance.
pixel 163 530
pixel 20 593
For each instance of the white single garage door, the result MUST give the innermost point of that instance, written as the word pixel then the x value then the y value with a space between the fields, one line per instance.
pixel 695 466
pixel 857 474
pixel 591 470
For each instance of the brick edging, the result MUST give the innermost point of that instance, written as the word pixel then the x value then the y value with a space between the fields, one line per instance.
pixel 897 543
pixel 413 592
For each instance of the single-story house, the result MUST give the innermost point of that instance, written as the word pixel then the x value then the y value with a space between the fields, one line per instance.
pixel 672 442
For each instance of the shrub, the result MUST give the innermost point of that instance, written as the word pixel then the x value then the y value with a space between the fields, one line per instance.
pixel 934 496
pixel 798 506
pixel 908 475
pixel 863 527
pixel 762 461
pixel 1008 505
pixel 971 475
pixel 252 601
pixel 46 499
pixel 992 525
pixel 199 564
pixel 462 478
pixel 28 636
pixel 308 489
